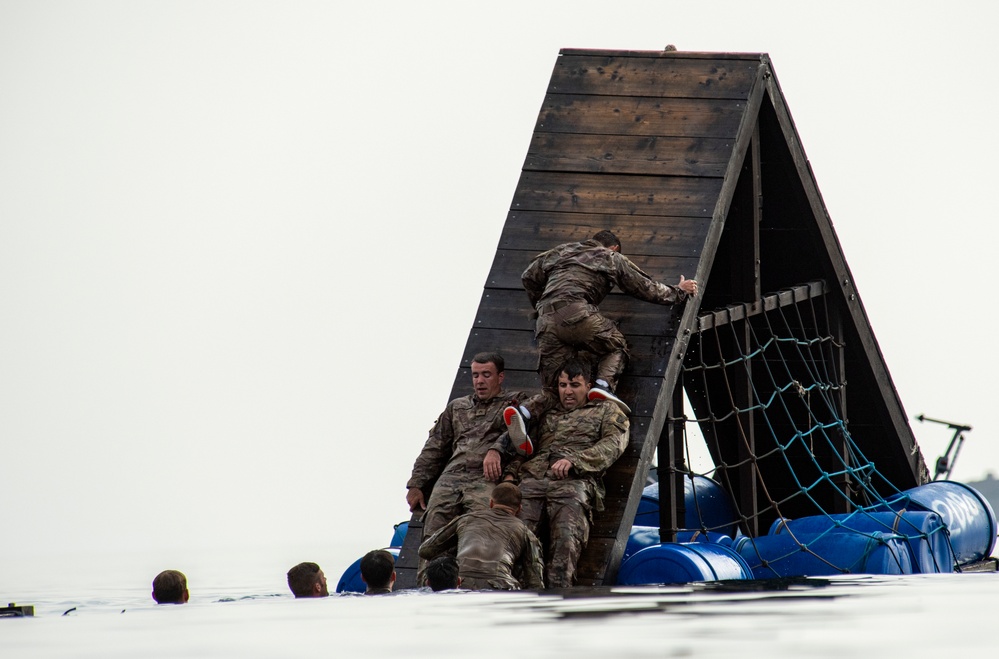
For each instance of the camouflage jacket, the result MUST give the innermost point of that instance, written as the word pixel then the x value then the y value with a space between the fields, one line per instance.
pixel 591 437
pixel 587 272
pixel 493 546
pixel 461 437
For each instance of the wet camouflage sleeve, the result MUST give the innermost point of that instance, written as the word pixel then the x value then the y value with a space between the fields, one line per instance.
pixel 633 281
pixel 443 540
pixel 436 451
pixel 532 566
pixel 535 278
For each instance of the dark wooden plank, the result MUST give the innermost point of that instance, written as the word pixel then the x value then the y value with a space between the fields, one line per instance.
pixel 591 568
pixel 509 265
pixel 408 563
pixel 648 354
pixel 669 54
pixel 595 73
pixel 634 115
pixel 769 302
pixel 619 194
pixel 628 154
pixel 647 235
pixel 510 309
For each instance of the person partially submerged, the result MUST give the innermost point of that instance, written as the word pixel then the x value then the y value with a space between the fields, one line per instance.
pixel 170 587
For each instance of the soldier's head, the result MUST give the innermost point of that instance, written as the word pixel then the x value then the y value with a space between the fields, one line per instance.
pixel 307 580
pixel 442 573
pixel 378 569
pixel 573 384
pixel 506 495
pixel 608 240
pixel 487 375
pixel 170 587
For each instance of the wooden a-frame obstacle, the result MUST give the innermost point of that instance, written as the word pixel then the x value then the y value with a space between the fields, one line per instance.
pixel 693 160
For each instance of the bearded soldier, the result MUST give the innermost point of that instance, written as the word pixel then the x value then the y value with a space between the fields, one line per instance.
pixel 562 482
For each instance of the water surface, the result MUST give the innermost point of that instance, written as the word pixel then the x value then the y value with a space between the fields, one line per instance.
pixel 916 615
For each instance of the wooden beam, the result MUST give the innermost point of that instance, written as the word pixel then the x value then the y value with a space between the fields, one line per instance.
pixel 734 312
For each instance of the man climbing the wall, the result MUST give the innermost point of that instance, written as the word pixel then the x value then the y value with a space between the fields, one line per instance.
pixel 565 285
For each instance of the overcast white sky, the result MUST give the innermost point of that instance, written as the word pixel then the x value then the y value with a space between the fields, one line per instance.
pixel 242 243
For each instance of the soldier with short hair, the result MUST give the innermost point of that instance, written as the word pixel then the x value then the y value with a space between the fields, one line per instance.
pixel 494 546
pixel 563 481
pixel 463 456
pixel 378 572
pixel 170 587
pixel 442 573
pixel 307 580
pixel 565 285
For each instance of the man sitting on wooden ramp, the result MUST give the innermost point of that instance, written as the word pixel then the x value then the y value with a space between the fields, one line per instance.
pixel 463 456
pixel 562 481
pixel 565 285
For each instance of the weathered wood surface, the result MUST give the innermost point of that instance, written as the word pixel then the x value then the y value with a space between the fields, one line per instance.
pixel 578 72
pixel 616 194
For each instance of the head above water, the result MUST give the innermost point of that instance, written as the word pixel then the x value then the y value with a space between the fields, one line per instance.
pixel 487 375
pixel 170 587
pixel 573 384
pixel 378 569
pixel 307 580
pixel 442 573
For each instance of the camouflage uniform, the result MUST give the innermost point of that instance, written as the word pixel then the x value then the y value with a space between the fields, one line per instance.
pixel 493 546
pixel 565 285
pixel 591 437
pixel 453 455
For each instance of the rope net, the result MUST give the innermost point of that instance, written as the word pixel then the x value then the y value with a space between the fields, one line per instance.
pixel 768 396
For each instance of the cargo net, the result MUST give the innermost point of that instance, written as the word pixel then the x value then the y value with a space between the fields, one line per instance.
pixel 766 392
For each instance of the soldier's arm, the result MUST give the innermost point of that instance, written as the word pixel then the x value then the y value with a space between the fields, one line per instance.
pixel 531 564
pixel 613 440
pixel 440 542
pixel 436 451
pixel 534 280
pixel 633 281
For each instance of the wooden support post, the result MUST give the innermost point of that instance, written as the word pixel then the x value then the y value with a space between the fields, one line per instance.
pixel 672 508
pixel 408 563
pixel 748 472
pixel 838 360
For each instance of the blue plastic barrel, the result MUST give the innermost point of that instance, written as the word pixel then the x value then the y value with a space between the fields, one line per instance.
pixel 351 581
pixel 707 505
pixel 924 533
pixel 967 515
pixel 400 534
pixel 683 563
pixel 805 555
pixel 646 536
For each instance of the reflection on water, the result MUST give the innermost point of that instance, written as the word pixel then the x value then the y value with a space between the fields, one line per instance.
pixel 920 615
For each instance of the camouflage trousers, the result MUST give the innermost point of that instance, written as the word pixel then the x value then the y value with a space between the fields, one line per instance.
pixel 566 505
pixel 566 332
pixel 453 495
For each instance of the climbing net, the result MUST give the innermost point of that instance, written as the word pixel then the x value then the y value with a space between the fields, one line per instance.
pixel 767 388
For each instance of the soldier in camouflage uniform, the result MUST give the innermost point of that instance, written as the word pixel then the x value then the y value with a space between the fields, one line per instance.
pixel 565 285
pixel 464 452
pixel 496 550
pixel 563 481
